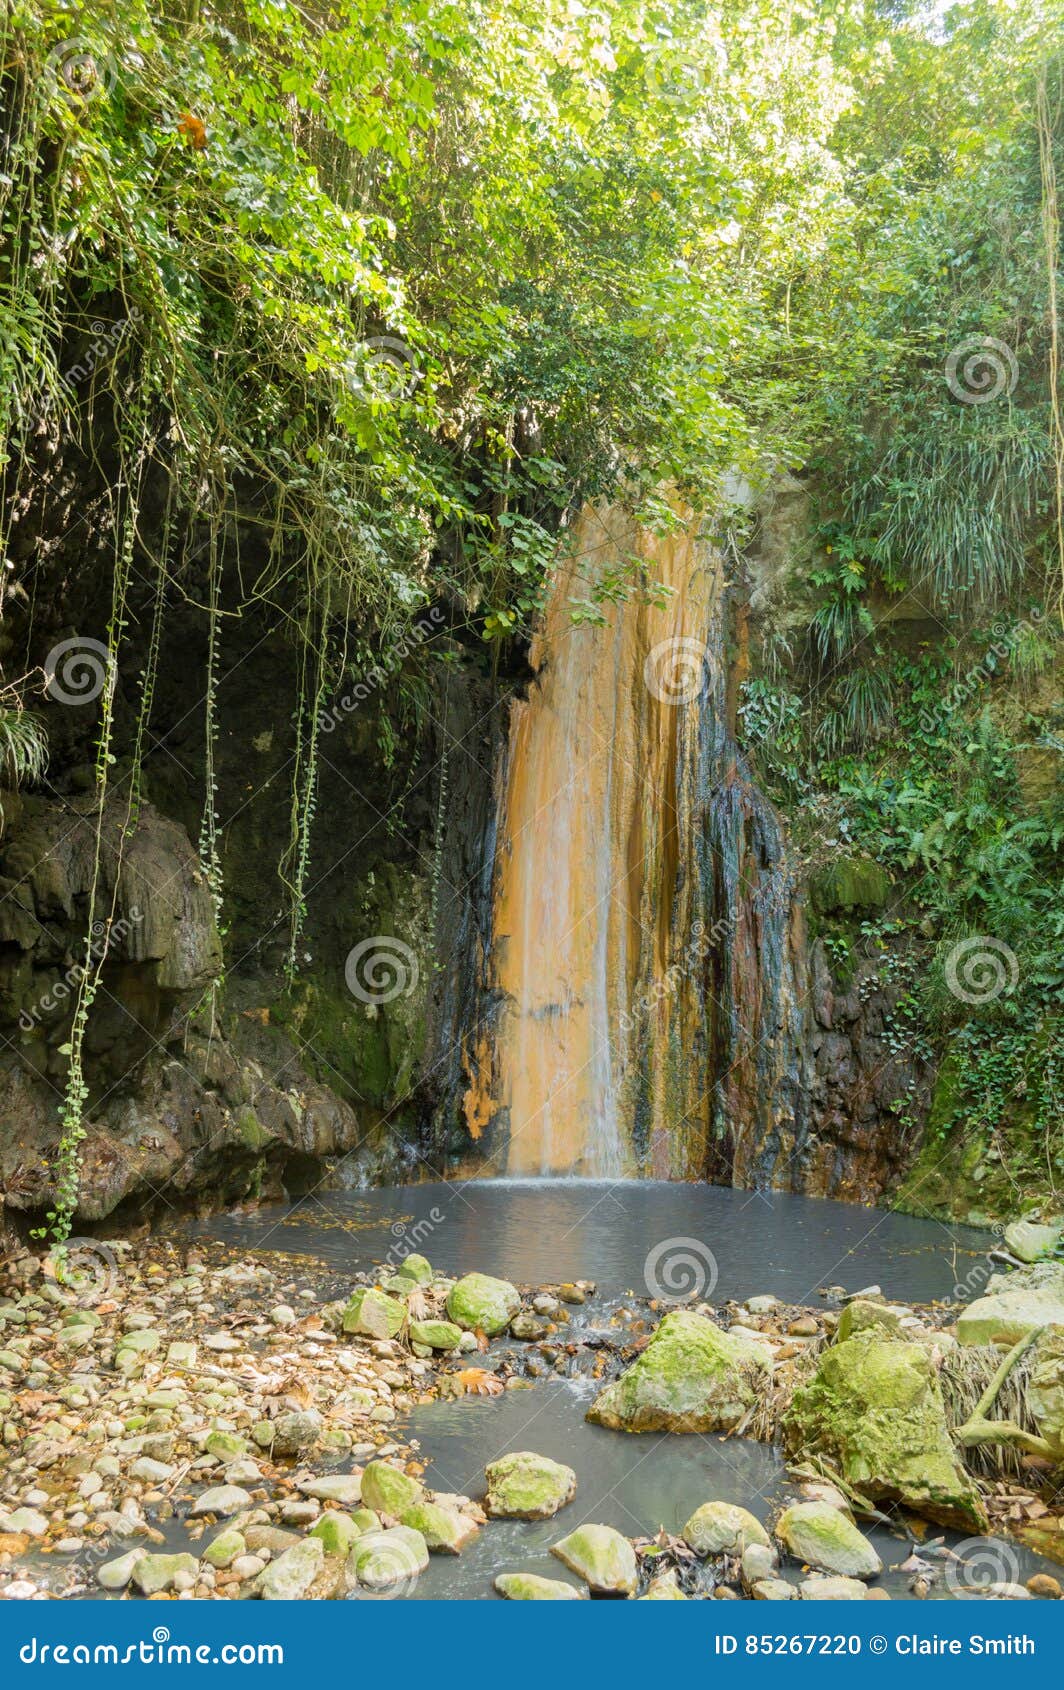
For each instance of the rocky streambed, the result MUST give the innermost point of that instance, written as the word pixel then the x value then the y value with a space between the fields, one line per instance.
pixel 185 1421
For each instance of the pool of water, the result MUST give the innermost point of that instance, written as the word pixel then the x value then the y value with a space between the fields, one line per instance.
pixel 540 1232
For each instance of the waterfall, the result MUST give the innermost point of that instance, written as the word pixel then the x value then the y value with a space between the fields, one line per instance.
pixel 643 925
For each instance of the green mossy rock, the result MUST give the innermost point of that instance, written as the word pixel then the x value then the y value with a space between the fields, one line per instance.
pixel 1045 1390
pixel 530 1587
pixel 848 884
pixel 225 1446
pixel 723 1528
pixel 291 1575
pixel 223 1550
pixel 372 1314
pixel 692 1377
pixel 602 1557
pixel 874 1409
pixel 819 1535
pixel 115 1575
pixel 863 1314
pixel 524 1486
pixel 435 1334
pixel 479 1303
pixel 417 1268
pixel 387 1490
pixel 338 1532
pixel 155 1573
pixel 1030 1242
pixel 444 1529
pixel 381 1560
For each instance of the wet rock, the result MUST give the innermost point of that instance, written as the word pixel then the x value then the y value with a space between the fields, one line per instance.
pixel 1015 1305
pixel 574 1294
pixel 115 1575
pixel 530 1587
pixel 293 1433
pixel 719 1528
pixel 221 1500
pixel 382 1559
pixel 773 1590
pixel 291 1575
pixel 436 1334
pixel 524 1486
pixel 334 1487
pixel 338 1532
pixel 805 1326
pixel 690 1378
pixel 444 1529
pixel 823 1538
pixel 602 1557
pixel 838 1589
pixel 153 1574
pixel 1045 1586
pixel 663 1589
pixel 226 1548
pixel 1045 1389
pixel 479 1303
pixel 860 1314
pixel 1030 1242
pixel 530 1328
pixel 874 1409
pixel 387 1490
pixel 373 1314
pixel 26 1522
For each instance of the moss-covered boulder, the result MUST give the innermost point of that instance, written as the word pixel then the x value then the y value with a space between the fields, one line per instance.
pixel 1045 1390
pixel 445 1530
pixel 415 1267
pixel 602 1557
pixel 723 1528
pixel 524 1486
pixel 381 1560
pixel 435 1334
pixel 479 1303
pixel 373 1314
pixel 1030 1242
pixel 388 1490
pixel 1008 1314
pixel 864 1313
pixel 153 1574
pixel 291 1574
pixel 692 1377
pixel 530 1587
pixel 819 1535
pixel 874 1409
pixel 338 1532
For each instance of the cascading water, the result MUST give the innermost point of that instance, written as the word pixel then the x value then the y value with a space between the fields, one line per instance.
pixel 643 929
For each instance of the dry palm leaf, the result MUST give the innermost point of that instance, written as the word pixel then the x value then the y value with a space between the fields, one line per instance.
pixel 478 1382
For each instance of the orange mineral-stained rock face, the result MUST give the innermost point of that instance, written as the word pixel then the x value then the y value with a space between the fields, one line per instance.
pixel 595 894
